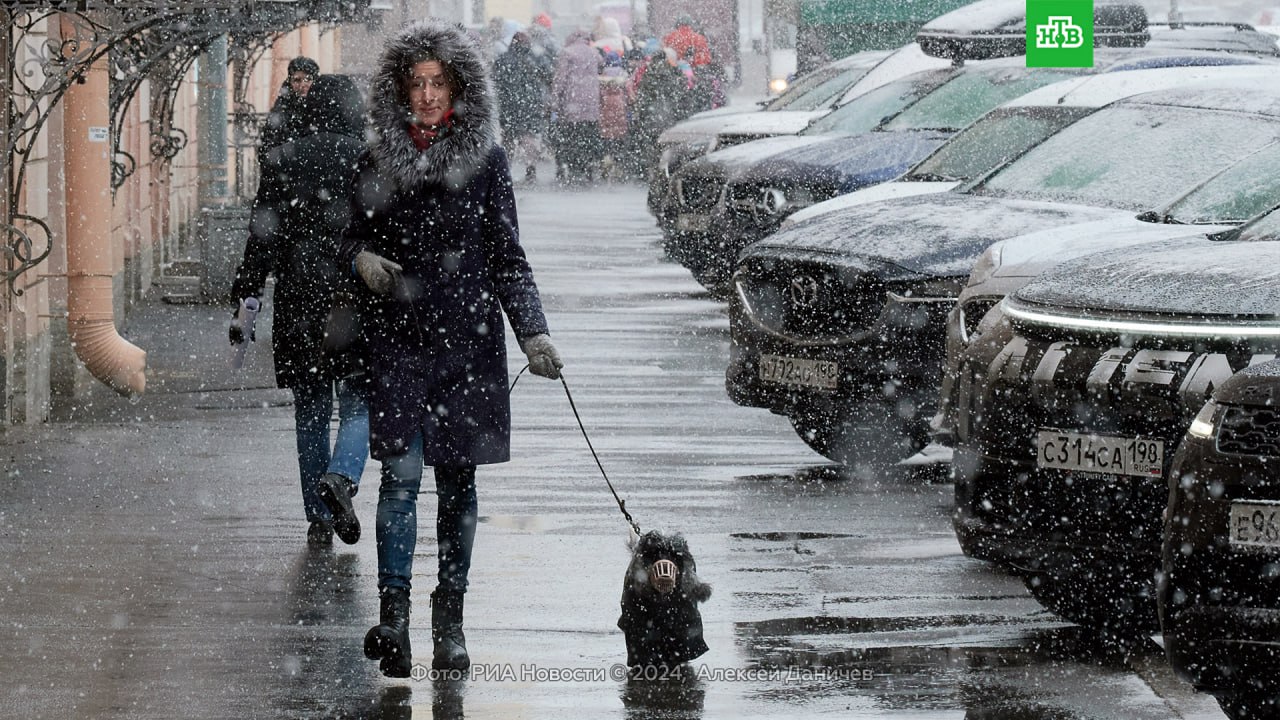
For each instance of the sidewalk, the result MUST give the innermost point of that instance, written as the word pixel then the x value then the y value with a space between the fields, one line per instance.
pixel 154 555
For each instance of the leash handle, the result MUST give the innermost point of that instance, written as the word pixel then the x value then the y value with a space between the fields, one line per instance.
pixel 622 504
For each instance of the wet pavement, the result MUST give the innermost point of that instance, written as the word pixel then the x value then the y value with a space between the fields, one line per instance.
pixel 154 565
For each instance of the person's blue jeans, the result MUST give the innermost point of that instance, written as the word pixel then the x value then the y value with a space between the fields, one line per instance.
pixel 312 412
pixel 397 521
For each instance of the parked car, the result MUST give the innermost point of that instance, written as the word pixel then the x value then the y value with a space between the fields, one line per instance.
pixel 1219 609
pixel 1232 197
pixel 1073 398
pixel 738 197
pixel 838 322
pixel 1008 131
pixel 810 97
pixel 718 204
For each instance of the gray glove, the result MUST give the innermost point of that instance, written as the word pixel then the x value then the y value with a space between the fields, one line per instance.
pixel 377 272
pixel 544 361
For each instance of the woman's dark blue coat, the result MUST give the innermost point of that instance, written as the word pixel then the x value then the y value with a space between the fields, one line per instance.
pixel 447 214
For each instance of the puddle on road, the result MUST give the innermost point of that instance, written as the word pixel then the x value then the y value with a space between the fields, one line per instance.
pixel 791 536
pixel 1041 674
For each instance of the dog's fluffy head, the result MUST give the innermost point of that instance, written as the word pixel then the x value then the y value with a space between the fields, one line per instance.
pixel 650 550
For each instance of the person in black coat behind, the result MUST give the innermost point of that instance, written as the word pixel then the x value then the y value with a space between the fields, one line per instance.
pixel 287 118
pixel 434 234
pixel 523 82
pixel 301 207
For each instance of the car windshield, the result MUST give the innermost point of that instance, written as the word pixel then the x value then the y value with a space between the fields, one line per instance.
pixel 997 138
pixel 817 90
pixel 968 95
pixel 1133 156
pixel 865 112
pixel 1238 193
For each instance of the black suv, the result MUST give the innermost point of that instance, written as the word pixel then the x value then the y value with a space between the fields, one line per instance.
pixel 1074 396
pixel 1219 593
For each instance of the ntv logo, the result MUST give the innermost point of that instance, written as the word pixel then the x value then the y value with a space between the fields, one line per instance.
pixel 1059 33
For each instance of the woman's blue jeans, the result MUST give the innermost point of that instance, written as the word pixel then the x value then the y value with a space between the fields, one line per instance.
pixel 312 413
pixel 397 521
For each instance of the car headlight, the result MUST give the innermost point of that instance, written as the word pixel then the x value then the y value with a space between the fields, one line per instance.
pixel 986 265
pixel 776 201
pixel 777 85
pixel 1203 426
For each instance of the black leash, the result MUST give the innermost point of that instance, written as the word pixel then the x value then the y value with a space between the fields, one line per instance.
pixel 622 504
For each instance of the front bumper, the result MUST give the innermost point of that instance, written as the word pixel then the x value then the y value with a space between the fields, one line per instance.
pixel 1089 555
pixel 894 365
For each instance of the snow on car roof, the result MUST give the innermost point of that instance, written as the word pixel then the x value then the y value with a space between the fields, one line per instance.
pixel 898 64
pixel 1103 88
pixel 1245 94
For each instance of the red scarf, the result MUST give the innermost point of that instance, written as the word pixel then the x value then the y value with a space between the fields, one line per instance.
pixel 424 136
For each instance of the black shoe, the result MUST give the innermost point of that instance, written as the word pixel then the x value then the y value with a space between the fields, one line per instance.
pixel 388 641
pixel 320 534
pixel 335 492
pixel 449 651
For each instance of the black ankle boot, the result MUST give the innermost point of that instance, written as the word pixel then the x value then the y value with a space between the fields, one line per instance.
pixel 388 641
pixel 450 645
pixel 335 492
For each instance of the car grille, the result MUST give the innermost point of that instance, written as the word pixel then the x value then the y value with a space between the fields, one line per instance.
pixel 1250 431
pixel 810 301
pixel 699 193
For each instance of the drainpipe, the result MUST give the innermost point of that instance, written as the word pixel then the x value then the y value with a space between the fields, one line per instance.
pixel 90 312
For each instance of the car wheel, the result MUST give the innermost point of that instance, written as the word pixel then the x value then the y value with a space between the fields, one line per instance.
pixel 868 439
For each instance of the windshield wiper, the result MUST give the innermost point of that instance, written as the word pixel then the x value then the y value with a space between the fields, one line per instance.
pixel 931 177
pixel 1154 216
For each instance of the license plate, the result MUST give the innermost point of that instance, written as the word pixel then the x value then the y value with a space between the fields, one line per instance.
pixel 692 223
pixel 799 371
pixel 1099 453
pixel 1255 524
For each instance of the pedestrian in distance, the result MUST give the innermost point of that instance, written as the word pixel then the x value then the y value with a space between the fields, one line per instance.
pixel 545 45
pixel 613 116
pixel 689 44
pixel 434 235
pixel 575 101
pixel 287 120
pixel 297 219
pixel 523 84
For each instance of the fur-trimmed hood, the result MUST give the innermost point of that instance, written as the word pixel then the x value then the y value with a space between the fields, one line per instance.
pixel 457 155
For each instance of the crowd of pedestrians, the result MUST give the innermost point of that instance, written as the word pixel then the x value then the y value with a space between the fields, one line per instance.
pixel 597 103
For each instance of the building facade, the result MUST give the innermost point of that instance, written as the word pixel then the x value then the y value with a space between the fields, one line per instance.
pixel 128 124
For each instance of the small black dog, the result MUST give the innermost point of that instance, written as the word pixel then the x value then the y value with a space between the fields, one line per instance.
pixel 660 596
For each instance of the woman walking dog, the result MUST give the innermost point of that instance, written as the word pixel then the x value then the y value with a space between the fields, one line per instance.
pixel 434 235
